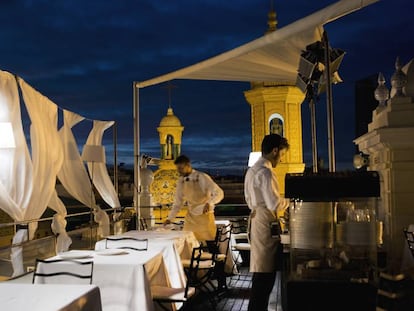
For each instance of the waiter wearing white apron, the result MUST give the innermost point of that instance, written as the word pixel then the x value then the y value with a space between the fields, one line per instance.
pixel 199 193
pixel 262 196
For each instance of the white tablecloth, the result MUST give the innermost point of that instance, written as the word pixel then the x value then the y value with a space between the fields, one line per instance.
pixel 184 241
pixel 173 244
pixel 124 280
pixel 49 297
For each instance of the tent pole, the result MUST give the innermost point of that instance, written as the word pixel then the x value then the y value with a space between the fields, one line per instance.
pixel 136 156
pixel 329 104
pixel 313 132
pixel 115 138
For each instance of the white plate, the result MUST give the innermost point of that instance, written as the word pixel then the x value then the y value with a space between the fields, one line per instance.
pixel 111 251
pixel 75 255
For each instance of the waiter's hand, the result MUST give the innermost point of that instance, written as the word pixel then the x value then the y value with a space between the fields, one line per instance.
pixel 167 222
pixel 206 208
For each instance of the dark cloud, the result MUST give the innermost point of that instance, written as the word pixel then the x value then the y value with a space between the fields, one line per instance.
pixel 85 55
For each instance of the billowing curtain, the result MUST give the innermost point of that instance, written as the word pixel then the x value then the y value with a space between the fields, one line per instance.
pixel 101 178
pixel 28 184
pixel 73 174
pixel 58 226
pixel 47 158
pixel 16 181
pixel 15 164
pixel 47 153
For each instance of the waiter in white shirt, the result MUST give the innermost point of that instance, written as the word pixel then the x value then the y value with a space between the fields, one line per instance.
pixel 200 194
pixel 262 196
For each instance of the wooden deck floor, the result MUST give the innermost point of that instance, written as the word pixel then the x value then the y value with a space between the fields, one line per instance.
pixel 237 296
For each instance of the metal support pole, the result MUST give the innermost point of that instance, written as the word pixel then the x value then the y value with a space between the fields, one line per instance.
pixel 137 176
pixel 329 104
pixel 313 134
pixel 92 208
pixel 116 181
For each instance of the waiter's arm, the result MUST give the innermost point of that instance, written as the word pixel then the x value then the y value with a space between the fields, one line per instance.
pixel 178 202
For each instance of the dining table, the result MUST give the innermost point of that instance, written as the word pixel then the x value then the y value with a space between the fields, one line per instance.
pixel 174 245
pixel 49 297
pixel 124 277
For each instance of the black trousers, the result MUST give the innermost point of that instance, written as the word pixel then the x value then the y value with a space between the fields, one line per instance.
pixel 262 285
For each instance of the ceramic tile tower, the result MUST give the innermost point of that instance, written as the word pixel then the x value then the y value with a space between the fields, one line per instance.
pixel 170 132
pixel 276 108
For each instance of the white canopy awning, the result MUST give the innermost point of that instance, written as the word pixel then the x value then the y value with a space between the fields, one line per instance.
pixel 273 57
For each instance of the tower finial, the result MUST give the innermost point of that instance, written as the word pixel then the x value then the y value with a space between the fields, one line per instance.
pixel 271 21
pixel 169 87
pixel 398 80
pixel 381 93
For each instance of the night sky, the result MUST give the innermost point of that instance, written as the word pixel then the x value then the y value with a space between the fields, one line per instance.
pixel 85 55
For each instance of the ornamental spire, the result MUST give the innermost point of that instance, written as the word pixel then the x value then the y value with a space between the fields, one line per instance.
pixel 271 21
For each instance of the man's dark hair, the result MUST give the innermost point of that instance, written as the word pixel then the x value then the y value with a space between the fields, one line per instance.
pixel 273 141
pixel 182 159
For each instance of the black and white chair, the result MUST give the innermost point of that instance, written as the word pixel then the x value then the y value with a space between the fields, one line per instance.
pixel 126 243
pixel 64 273
pixel 241 247
pixel 165 296
pixel 221 248
pixel 200 271
pixel 409 237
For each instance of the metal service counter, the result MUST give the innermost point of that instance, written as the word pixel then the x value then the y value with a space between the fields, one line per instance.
pixel 332 259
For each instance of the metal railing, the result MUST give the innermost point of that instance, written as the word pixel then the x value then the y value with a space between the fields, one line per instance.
pixel 83 237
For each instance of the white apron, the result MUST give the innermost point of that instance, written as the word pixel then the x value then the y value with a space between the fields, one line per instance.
pixel 263 248
pixel 201 224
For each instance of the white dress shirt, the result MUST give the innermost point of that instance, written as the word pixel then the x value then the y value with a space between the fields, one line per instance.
pixel 261 188
pixel 195 190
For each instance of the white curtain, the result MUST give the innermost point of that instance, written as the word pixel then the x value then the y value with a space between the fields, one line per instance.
pixel 26 184
pixel 101 178
pixel 15 166
pixel 47 153
pixel 58 226
pixel 73 174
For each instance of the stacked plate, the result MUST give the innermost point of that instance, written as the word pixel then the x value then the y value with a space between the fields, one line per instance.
pixel 311 225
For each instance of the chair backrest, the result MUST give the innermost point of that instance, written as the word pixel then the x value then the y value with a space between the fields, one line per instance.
pixel 409 236
pixel 192 270
pixel 61 271
pixel 143 224
pixel 240 232
pixel 127 243
pixel 197 263
pixel 239 225
pixel 224 237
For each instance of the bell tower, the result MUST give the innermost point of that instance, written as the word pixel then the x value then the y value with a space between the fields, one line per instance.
pixel 165 178
pixel 276 108
pixel 170 132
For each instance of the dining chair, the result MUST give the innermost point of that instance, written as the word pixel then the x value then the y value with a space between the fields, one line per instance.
pixel 200 271
pixel 167 295
pixel 219 250
pixel 64 274
pixel 241 246
pixel 409 237
pixel 127 243
pixel 143 224
pixel 163 295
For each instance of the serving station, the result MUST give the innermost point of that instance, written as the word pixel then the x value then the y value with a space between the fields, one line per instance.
pixel 332 257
